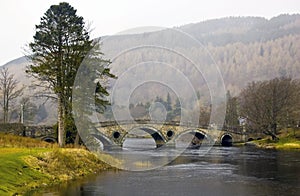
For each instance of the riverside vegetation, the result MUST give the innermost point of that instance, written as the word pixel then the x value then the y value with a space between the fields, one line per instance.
pixel 288 139
pixel 27 164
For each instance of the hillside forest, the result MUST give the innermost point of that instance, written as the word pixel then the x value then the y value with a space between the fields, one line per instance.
pixel 249 52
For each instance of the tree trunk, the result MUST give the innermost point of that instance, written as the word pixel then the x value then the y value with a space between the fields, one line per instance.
pixel 61 128
pixel 5 110
pixel 5 116
pixel 274 128
pixel 77 138
pixel 6 113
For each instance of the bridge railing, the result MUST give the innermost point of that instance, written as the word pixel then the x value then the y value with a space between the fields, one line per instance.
pixel 143 121
pixel 238 130
pixel 38 131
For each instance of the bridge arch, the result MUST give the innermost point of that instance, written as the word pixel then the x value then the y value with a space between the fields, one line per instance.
pixel 106 142
pixel 226 140
pixel 250 139
pixel 49 139
pixel 158 137
pixel 198 137
pixel 156 134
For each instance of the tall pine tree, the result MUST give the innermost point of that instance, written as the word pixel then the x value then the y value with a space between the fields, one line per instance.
pixel 60 44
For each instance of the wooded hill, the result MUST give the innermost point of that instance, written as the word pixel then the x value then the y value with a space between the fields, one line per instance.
pixel 244 48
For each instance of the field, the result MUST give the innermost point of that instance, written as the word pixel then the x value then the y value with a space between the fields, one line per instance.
pixel 27 164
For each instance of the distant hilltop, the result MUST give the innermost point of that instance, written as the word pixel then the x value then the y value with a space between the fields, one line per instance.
pixel 233 29
pixel 244 48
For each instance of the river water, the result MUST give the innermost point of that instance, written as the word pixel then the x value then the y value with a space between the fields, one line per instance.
pixel 221 171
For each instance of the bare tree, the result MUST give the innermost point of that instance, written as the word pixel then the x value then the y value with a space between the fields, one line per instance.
pixel 9 91
pixel 268 104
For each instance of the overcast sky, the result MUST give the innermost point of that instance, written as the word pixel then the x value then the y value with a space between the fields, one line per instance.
pixel 18 18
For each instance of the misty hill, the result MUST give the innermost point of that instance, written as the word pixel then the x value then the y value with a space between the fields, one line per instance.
pixel 244 49
pixel 220 32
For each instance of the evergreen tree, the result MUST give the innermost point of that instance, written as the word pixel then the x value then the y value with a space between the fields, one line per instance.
pixel 177 109
pixel 60 43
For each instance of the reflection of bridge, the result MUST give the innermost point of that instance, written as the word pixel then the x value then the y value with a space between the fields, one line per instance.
pixel 113 134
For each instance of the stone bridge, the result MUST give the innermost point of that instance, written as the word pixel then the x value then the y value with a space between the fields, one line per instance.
pixel 113 134
pixel 44 133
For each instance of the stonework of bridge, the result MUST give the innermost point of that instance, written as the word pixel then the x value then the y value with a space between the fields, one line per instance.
pixel 114 133
pixel 44 133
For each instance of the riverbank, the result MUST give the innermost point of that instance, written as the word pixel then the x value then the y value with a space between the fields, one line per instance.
pixel 27 164
pixel 289 139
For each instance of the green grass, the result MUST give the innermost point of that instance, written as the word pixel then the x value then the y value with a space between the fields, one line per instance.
pixel 27 164
pixel 8 140
pixel 289 139
pixel 15 174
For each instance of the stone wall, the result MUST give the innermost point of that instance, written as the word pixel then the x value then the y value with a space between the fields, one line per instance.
pixel 29 131
pixel 13 128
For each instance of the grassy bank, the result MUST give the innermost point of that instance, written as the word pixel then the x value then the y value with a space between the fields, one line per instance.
pixel 289 139
pixel 27 164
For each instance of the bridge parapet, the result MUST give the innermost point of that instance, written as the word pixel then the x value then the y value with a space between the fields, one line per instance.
pixel 167 132
pixel 149 122
pixel 40 132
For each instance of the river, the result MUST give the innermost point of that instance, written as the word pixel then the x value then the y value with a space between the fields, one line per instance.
pixel 221 171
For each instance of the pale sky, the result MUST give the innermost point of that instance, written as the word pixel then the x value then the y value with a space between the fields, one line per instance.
pixel 18 18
